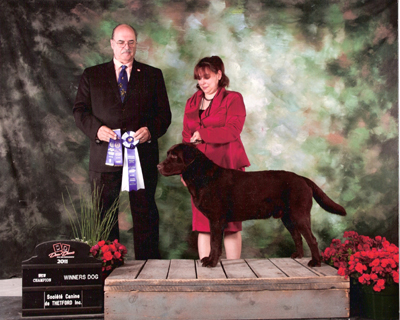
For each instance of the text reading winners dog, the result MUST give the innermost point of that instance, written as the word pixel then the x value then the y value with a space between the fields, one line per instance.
pixel 224 195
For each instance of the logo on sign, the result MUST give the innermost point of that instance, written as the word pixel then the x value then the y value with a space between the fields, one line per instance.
pixel 61 250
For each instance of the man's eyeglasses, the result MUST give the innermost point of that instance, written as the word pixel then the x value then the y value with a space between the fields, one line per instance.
pixel 122 44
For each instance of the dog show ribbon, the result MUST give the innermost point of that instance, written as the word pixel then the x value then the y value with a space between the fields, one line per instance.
pixel 132 175
pixel 114 152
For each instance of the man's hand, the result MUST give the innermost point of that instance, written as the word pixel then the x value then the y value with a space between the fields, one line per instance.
pixel 105 134
pixel 143 135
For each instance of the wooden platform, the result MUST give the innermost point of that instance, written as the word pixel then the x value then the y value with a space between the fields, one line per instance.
pixel 279 288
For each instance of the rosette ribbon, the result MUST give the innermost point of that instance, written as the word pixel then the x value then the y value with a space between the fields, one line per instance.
pixel 132 176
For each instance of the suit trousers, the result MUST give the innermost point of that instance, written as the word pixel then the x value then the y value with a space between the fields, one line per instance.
pixel 144 212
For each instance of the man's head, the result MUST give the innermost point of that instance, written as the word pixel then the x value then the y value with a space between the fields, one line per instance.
pixel 123 43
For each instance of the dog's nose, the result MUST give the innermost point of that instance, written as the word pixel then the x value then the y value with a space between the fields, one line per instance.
pixel 159 166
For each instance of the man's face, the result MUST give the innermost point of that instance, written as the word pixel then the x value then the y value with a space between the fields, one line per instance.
pixel 124 44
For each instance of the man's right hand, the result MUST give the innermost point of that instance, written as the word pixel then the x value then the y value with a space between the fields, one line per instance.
pixel 105 134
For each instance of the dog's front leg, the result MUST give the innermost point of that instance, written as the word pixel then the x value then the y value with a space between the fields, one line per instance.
pixel 215 244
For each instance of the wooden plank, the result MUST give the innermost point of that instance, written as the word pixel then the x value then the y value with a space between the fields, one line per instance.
pixel 155 269
pixel 182 269
pixel 124 274
pixel 292 268
pixel 128 271
pixel 209 273
pixel 263 268
pixel 305 304
pixel 237 269
pixel 324 269
pixel 223 286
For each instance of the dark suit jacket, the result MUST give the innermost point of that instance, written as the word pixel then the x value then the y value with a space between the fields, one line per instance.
pixel 98 103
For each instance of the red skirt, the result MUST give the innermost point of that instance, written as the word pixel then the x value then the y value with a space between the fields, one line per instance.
pixel 201 224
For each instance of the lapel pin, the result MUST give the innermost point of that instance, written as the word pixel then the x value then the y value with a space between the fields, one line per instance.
pixel 138 70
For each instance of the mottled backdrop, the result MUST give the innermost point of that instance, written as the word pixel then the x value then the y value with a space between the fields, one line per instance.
pixel 319 80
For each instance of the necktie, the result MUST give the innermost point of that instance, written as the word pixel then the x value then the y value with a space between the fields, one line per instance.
pixel 123 83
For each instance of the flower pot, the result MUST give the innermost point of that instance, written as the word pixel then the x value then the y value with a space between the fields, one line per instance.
pixel 383 305
pixel 355 297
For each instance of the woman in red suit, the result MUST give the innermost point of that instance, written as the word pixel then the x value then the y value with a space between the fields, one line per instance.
pixel 213 120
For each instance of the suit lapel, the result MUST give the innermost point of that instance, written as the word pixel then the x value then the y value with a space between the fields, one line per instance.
pixel 135 81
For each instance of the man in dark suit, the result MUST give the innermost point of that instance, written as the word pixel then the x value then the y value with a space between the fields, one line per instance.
pixel 143 108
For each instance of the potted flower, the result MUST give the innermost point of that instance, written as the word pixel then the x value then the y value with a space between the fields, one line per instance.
pixel 374 265
pixel 111 253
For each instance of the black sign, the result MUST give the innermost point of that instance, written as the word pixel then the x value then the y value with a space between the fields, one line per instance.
pixel 61 279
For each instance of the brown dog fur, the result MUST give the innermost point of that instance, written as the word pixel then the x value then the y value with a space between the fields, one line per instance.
pixel 224 195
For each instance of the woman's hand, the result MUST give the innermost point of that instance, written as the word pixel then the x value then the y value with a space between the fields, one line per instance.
pixel 183 181
pixel 196 138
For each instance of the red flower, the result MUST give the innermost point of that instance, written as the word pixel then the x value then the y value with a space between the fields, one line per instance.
pixel 395 275
pixel 110 252
pixel 372 261
pixel 360 268
pixel 379 285
pixel 107 255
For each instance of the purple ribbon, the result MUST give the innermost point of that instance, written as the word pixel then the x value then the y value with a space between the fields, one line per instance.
pixel 114 152
pixel 130 144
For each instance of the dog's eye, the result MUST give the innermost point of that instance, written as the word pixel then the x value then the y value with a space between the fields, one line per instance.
pixel 173 156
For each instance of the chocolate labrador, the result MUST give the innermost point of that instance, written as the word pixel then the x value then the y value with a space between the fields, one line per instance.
pixel 224 195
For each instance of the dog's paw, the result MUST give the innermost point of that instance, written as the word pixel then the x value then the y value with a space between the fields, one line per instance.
pixel 297 255
pixel 209 262
pixel 314 263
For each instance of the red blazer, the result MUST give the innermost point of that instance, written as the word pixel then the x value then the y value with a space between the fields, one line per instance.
pixel 219 127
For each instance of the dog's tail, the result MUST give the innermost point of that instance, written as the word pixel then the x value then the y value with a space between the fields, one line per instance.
pixel 324 201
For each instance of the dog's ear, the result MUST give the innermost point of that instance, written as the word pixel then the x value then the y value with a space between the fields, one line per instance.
pixel 189 152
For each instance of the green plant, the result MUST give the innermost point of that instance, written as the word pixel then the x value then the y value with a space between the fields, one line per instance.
pixel 89 225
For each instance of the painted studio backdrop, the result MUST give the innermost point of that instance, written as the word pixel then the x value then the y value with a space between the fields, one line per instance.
pixel 319 81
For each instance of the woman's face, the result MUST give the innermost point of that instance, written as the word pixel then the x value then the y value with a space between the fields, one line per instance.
pixel 208 81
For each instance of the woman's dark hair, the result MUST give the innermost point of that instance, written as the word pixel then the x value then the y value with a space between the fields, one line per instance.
pixel 214 64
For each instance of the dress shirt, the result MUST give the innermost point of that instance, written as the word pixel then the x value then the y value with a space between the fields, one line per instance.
pixel 118 68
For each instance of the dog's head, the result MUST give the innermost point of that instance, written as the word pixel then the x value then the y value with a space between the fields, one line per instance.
pixel 179 157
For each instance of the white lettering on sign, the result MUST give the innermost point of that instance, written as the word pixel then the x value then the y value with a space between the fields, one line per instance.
pixel 81 276
pixel 74 276
pixel 61 303
pixel 65 299
pixel 41 280
pixel 62 261
pixel 54 296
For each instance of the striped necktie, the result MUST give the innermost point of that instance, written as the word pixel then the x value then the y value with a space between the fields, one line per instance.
pixel 123 83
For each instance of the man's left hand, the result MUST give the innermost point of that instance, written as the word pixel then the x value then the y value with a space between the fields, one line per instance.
pixel 143 135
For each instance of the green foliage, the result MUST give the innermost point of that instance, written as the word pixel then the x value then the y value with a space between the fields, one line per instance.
pixel 87 223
